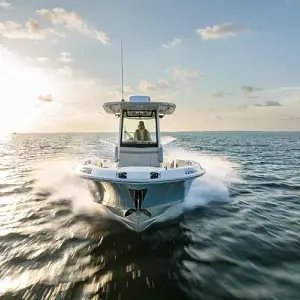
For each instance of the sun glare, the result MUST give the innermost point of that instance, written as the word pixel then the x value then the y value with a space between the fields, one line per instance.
pixel 21 86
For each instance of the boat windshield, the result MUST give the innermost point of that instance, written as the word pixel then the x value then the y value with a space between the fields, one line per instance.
pixel 139 129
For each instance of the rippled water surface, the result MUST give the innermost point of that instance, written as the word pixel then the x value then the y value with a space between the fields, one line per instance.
pixel 237 237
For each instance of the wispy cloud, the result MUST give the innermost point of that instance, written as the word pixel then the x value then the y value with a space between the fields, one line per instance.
pixel 65 71
pixel 65 57
pixel 73 21
pixel 56 99
pixel 32 30
pixel 46 98
pixel 115 92
pixel 5 4
pixel 175 43
pixel 160 85
pixel 179 77
pixel 282 89
pixel 219 94
pixel 242 106
pixel 253 97
pixel 38 59
pixel 185 75
pixel 221 31
pixel 249 90
pixel 269 103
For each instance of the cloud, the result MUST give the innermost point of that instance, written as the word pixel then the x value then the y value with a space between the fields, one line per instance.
pixel 32 30
pixel 221 31
pixel 65 71
pixel 185 75
pixel 38 59
pixel 269 104
pixel 160 89
pixel 253 97
pixel 5 4
pixel 242 106
pixel 179 76
pixel 73 97
pixel 73 21
pixel 219 94
pixel 161 85
pixel 65 57
pixel 289 117
pixel 288 88
pixel 46 98
pixel 250 89
pixel 175 43
pixel 282 89
pixel 114 92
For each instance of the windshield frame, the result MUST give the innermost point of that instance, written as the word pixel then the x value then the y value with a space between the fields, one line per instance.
pixel 135 144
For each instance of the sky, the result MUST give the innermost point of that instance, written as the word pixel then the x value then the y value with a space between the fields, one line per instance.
pixel 227 65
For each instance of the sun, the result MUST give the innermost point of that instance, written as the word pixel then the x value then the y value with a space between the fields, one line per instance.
pixel 21 86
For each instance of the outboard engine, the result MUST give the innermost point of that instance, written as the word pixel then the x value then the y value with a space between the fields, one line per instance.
pixel 138 197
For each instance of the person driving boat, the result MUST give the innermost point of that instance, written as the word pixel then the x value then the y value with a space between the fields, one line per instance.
pixel 141 133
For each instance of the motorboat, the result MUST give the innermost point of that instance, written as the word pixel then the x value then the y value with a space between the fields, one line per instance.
pixel 139 185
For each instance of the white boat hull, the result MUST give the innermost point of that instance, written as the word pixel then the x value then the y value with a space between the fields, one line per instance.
pixel 118 200
pixel 138 200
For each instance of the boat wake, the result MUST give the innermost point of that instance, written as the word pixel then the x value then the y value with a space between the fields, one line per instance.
pixel 166 140
pixel 211 187
pixel 55 180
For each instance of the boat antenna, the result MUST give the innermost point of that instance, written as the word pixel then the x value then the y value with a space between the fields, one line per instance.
pixel 122 85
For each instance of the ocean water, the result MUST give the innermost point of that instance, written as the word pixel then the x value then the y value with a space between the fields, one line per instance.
pixel 236 237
